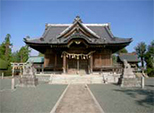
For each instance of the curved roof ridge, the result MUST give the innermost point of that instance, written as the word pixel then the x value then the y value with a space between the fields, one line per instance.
pixel 95 24
pixel 58 24
pixel 87 24
pixel 92 32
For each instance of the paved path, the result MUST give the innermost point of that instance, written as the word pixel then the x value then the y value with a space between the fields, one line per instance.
pixel 77 99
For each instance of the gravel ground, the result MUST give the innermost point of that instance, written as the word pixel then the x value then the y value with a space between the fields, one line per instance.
pixel 114 99
pixel 6 83
pixel 40 99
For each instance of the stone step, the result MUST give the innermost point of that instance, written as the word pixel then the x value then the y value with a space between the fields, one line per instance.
pixel 45 78
pixel 67 80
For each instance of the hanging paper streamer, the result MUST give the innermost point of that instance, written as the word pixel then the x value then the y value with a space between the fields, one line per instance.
pixel 77 56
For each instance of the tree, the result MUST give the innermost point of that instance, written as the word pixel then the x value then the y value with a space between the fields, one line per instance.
pixel 3 64
pixel 15 57
pixel 149 59
pixel 5 54
pixel 2 51
pixel 24 53
pixel 141 50
pixel 123 50
pixel 114 58
pixel 5 49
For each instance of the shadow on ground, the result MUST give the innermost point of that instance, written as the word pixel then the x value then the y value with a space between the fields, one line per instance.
pixel 137 93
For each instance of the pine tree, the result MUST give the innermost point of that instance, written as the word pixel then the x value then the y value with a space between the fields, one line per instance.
pixel 8 45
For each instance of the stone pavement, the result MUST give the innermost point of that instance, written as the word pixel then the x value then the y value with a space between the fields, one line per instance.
pixel 78 99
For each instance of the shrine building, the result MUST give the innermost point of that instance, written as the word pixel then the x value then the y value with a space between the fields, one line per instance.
pixel 78 47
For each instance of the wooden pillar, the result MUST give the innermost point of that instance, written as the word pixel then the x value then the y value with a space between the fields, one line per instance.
pixel 55 62
pixel 42 68
pixel 91 64
pixel 78 66
pixel 64 63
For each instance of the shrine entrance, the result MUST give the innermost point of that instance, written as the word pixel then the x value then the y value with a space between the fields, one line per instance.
pixel 77 66
pixel 74 63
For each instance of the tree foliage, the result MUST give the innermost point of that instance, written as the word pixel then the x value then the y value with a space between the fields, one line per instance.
pixel 149 59
pixel 3 64
pixel 5 54
pixel 2 51
pixel 114 59
pixel 5 49
pixel 24 53
pixel 15 57
pixel 141 50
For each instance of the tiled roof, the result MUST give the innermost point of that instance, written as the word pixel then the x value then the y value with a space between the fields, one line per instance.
pixel 36 59
pixel 102 31
pixel 129 57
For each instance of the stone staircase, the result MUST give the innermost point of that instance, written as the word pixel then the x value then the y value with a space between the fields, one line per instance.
pixel 86 79
pixel 43 77
pixel 75 79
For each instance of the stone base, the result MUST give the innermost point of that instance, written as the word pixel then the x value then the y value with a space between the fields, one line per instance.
pixel 27 81
pixel 130 82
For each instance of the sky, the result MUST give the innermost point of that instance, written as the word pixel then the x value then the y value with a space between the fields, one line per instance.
pixel 128 19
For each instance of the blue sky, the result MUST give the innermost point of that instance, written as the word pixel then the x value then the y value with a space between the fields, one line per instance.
pixel 128 18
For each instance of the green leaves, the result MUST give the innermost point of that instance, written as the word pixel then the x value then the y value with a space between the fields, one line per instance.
pixel 141 50
pixel 146 54
pixel 3 64
pixel 24 53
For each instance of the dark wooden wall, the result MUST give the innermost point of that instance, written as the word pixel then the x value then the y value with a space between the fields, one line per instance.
pixel 103 58
pixel 100 58
pixel 53 59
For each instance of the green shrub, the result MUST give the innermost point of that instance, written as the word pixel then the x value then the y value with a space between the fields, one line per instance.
pixel 3 65
pixel 150 72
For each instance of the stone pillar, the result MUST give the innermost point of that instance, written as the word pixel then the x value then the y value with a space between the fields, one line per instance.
pixel 91 64
pixel 13 83
pixel 2 74
pixel 142 82
pixel 13 71
pixel 64 63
